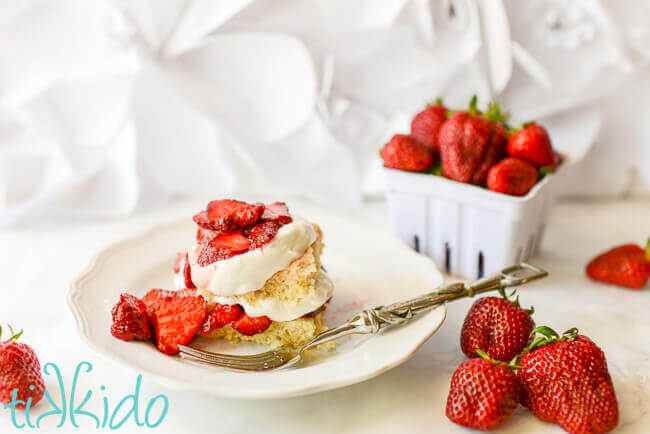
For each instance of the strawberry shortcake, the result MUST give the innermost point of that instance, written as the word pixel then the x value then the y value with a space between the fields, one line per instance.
pixel 254 273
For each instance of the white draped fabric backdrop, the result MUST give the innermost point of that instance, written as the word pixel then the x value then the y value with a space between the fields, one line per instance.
pixel 108 105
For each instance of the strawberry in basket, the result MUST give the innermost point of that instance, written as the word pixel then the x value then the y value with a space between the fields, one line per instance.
pixel 426 125
pixel 531 143
pixel 512 176
pixel 471 143
pixel 406 153
pixel 475 147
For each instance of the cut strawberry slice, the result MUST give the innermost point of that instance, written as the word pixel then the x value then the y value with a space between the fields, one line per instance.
pixel 277 212
pixel 176 320
pixel 156 297
pixel 262 233
pixel 182 265
pixel 204 235
pixel 130 320
pixel 223 247
pixel 222 315
pixel 180 258
pixel 227 215
pixel 201 219
pixel 249 326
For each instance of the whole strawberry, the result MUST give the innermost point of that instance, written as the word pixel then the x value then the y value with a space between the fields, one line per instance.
pixel 20 370
pixel 470 143
pixel 405 153
pixel 627 265
pixel 426 125
pixel 566 381
pixel 482 394
pixel 531 143
pixel 499 327
pixel 512 176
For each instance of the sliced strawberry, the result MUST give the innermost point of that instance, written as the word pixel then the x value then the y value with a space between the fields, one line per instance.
pixel 222 315
pixel 223 247
pixel 130 319
pixel 227 215
pixel 204 235
pixel 262 233
pixel 249 215
pixel 156 297
pixel 201 219
pixel 182 265
pixel 187 274
pixel 277 212
pixel 249 326
pixel 176 320
pixel 180 258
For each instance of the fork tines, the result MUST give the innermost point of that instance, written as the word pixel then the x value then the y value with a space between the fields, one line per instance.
pixel 257 362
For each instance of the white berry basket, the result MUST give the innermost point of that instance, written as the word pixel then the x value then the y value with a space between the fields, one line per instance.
pixel 468 230
pixel 471 231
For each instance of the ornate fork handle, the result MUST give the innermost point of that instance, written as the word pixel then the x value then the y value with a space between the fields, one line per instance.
pixel 370 321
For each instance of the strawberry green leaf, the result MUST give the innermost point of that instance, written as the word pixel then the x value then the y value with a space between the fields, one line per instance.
pixel 473 109
pixel 546 331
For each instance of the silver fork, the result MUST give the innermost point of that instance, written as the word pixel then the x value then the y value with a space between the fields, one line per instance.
pixel 369 321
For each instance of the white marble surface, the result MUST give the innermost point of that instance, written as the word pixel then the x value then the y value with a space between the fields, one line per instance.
pixel 38 262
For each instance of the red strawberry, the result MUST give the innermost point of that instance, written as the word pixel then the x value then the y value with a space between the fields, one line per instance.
pixel 130 320
pixel 512 176
pixel 566 381
pixel 627 265
pixel 223 247
pixel 182 265
pixel 277 212
pixel 155 297
pixel 249 326
pixel 482 394
pixel 262 233
pixel 176 319
pixel 406 153
pixel 470 144
pixel 228 215
pixel 427 123
pixel 204 235
pixel 19 370
pixel 221 315
pixel 201 219
pixel 499 327
pixel 531 143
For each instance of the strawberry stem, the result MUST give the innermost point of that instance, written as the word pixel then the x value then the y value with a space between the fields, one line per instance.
pixel 549 336
pixel 14 335
pixel 516 302
pixel 494 113
pixel 647 249
pixel 473 109
pixel 545 330
pixel 439 101
pixel 511 364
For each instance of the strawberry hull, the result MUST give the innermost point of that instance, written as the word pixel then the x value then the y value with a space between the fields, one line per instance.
pixel 468 230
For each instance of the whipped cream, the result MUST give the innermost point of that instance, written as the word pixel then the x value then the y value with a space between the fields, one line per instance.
pixel 249 271
pixel 278 310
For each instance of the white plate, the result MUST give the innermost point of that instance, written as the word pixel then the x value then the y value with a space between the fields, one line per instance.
pixel 369 268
